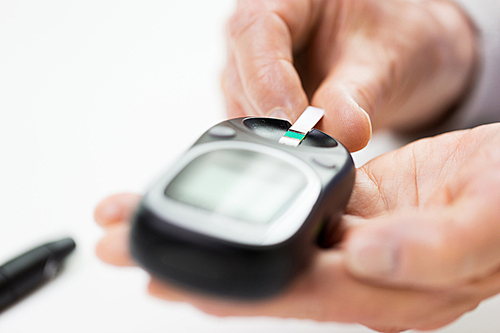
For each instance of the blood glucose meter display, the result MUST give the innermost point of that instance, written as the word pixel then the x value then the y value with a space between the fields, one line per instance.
pixel 243 211
pixel 243 185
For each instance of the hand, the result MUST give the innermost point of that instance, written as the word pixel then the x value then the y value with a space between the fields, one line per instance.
pixel 400 63
pixel 421 248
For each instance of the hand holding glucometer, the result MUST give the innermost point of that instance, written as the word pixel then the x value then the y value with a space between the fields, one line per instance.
pixel 241 212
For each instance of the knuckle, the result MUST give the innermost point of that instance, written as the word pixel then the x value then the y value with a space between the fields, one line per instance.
pixel 235 23
pixel 426 37
pixel 419 42
pixel 247 18
pixel 261 75
pixel 241 20
pixel 267 73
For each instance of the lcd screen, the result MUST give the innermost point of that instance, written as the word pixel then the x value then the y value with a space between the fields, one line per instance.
pixel 241 184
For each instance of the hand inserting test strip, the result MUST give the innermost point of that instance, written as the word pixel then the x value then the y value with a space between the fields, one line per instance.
pixel 307 120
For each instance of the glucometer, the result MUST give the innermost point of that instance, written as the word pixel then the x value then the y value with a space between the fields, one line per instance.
pixel 241 212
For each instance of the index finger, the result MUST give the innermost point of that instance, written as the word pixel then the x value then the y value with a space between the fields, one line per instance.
pixel 116 209
pixel 262 36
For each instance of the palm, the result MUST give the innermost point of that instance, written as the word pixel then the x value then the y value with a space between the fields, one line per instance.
pixel 413 177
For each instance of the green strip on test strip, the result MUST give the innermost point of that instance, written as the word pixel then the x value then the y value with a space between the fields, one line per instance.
pixel 294 135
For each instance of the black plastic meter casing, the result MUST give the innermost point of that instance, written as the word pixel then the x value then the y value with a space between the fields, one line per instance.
pixel 231 269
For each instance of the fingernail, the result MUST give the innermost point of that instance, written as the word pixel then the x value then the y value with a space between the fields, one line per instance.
pixel 369 120
pixel 371 257
pixel 278 113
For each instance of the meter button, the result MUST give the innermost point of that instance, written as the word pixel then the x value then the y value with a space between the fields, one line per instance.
pixel 222 132
pixel 325 161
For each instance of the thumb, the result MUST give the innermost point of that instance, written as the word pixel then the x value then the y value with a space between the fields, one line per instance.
pixel 433 249
pixel 349 96
pixel 262 42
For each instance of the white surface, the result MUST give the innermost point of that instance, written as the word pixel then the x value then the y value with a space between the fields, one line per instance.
pixel 98 97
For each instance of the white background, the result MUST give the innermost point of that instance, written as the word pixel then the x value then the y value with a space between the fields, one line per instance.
pixel 98 97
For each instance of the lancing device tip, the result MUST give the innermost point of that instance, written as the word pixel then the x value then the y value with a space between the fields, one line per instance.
pixel 307 120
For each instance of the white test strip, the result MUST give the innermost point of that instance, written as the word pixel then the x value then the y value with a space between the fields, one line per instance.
pixel 307 120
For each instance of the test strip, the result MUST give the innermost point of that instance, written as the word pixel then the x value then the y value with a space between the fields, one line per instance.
pixel 307 120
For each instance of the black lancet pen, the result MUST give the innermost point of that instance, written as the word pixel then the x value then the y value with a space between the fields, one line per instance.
pixel 31 269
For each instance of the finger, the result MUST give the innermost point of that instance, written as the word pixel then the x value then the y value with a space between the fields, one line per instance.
pixel 237 104
pixel 159 289
pixel 424 250
pixel 350 97
pixel 329 293
pixel 483 288
pixel 113 248
pixel 116 208
pixel 233 108
pixel 262 36
pixel 442 246
pixel 367 198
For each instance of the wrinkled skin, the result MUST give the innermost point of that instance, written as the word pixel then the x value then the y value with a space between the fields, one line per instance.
pixel 387 63
pixel 435 201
